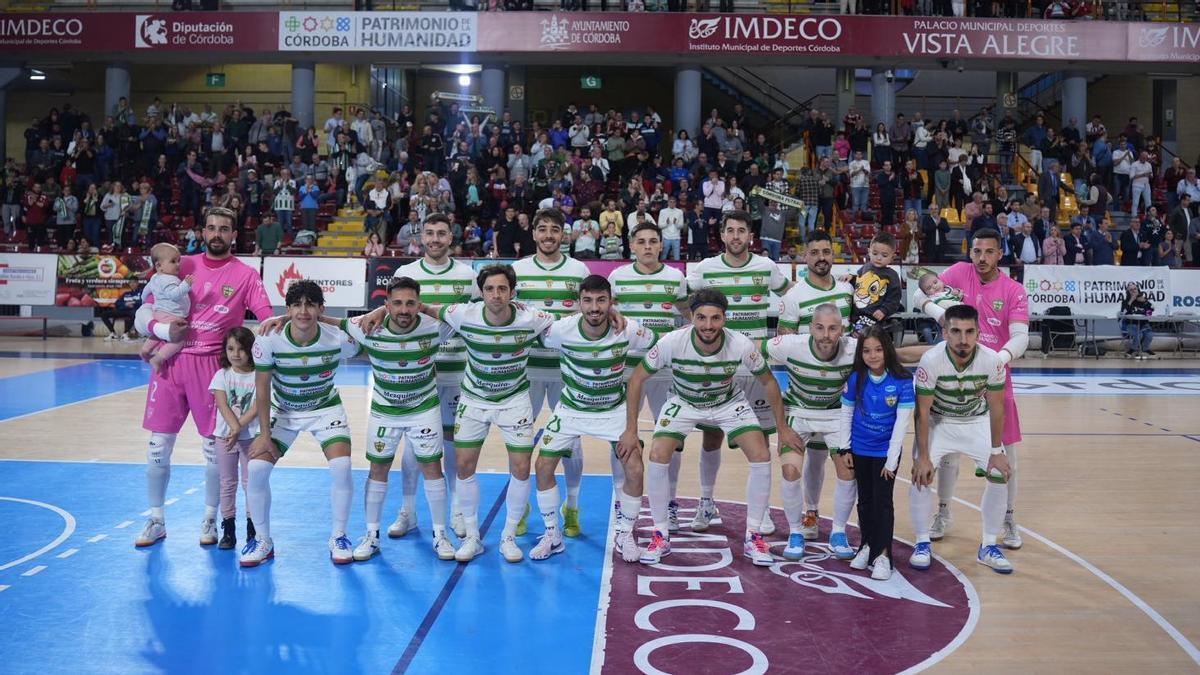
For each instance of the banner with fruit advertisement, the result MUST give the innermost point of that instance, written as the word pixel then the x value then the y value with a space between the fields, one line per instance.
pixel 99 280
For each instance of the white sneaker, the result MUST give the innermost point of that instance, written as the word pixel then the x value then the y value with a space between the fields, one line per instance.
pixel 256 552
pixel 706 513
pixel 509 549
pixel 548 544
pixel 442 547
pixel 860 559
pixel 767 527
pixel 922 556
pixel 112 337
pixel 341 551
pixel 470 549
pixel 405 522
pixel 756 550
pixel 368 547
pixel 153 531
pixel 940 526
pixel 994 558
pixel 672 516
pixel 458 524
pixel 882 569
pixel 208 532
pixel 626 543
pixel 1010 535
pixel 659 548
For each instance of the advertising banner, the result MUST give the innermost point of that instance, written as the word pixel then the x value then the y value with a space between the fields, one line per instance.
pixel 99 280
pixel 1094 290
pixel 1185 292
pixel 133 32
pixel 379 274
pixel 378 31
pixel 28 278
pixel 343 280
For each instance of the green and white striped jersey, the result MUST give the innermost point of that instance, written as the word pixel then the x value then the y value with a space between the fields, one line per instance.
pixel 704 380
pixel 553 289
pixel 497 356
pixel 796 309
pixel 813 383
pixel 593 370
pixel 748 289
pixel 451 284
pixel 302 375
pixel 402 364
pixel 959 393
pixel 649 298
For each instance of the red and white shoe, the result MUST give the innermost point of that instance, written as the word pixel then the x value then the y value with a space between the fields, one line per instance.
pixel 659 548
pixel 757 551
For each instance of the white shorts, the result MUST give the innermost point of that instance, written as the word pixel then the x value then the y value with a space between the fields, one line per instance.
pixel 544 390
pixel 817 434
pixel 680 418
pixel 448 395
pixel 423 431
pixel 567 425
pixel 471 424
pixel 970 438
pixel 327 425
pixel 758 401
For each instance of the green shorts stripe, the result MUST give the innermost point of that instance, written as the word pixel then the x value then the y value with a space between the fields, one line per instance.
pixel 336 439
pixel 519 449
pixel 430 459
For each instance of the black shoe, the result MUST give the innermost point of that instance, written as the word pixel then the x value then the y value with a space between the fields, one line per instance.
pixel 228 534
pixel 249 529
pixel 1150 353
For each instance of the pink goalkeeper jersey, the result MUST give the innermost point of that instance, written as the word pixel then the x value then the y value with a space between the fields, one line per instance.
pixel 221 293
pixel 999 302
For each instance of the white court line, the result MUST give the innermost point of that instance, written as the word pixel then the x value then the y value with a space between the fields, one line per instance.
pixel 145 513
pixel 4 588
pixel 189 491
pixel 68 405
pixel 598 632
pixel 33 570
pixel 67 553
pixel 97 538
pixel 68 530
pixel 1179 638
pixel 171 501
pixel 124 524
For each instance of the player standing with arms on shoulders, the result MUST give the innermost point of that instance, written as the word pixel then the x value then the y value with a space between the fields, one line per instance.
pixel 746 281
pixel 1003 307
pixel 549 281
pixel 655 294
pixel 223 289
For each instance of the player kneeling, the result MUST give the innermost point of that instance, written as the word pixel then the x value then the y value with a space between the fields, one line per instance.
pixel 592 361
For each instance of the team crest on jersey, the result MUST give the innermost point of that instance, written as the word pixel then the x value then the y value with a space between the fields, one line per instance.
pixel 426 343
pixel 498 337
pixel 379 445
pixel 618 351
pixel 327 359
pixel 997 305
pixel 729 370
pixel 227 291
pixel 665 422
pixel 459 288
pixel 891 401
pixel 571 286
pixel 546 439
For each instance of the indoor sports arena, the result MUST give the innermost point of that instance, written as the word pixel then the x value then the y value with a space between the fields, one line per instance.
pixel 608 336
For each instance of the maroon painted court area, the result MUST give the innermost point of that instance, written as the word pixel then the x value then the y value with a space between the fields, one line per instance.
pixel 706 609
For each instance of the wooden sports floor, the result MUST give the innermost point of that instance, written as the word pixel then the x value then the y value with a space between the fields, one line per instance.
pixel 1109 502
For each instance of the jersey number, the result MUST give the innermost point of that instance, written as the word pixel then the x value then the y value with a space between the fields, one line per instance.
pixel 672 410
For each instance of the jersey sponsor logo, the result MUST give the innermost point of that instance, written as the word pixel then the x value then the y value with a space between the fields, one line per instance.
pixel 922 375
pixel 568 303
pixel 256 351
pixel 220 309
pixel 994 322
pixel 667 305
pixel 423 361
pixel 325 373
pixel 756 298
pixel 664 614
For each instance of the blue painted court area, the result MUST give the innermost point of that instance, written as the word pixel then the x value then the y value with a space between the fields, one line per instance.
pixel 107 607
pixel 38 391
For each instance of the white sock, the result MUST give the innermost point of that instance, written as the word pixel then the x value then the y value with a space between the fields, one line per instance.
pixel 947 479
pixel 991 507
pixel 258 496
pixel 1011 451
pixel 793 503
pixel 758 494
pixel 673 474
pixel 410 473
pixel 341 491
pixel 548 506
pixel 435 494
pixel 374 495
pixel 631 507
pixel 517 500
pixel 618 472
pixel 710 464
pixel 162 331
pixel 920 509
pixel 845 493
pixel 158 471
pixel 449 469
pixel 573 472
pixel 468 500
pixel 814 477
pixel 212 478
pixel 658 489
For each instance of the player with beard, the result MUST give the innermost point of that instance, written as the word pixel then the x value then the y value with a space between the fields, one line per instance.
pixel 224 288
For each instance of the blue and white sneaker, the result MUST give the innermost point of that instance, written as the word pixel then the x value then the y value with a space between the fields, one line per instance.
pixel 840 545
pixel 795 547
pixel 922 556
pixel 994 558
pixel 256 551
pixel 341 550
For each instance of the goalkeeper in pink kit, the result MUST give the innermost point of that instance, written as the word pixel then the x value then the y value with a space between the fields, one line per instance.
pixel 223 289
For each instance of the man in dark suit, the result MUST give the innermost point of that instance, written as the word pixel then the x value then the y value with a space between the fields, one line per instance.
pixel 1135 245
pixel 1181 225
pixel 1074 245
pixel 1049 185
pixel 986 219
pixel 1101 245
pixel 935 229
pixel 1026 249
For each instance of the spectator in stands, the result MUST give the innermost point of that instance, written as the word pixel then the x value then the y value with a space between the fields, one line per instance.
pixel 698 228
pixel 935 230
pixel 1033 138
pixel 1101 245
pixel 1049 186
pixel 1137 330
pixel 1154 231
pixel 66 215
pixel 1186 228
pixel 986 219
pixel 1140 174
pixel 774 220
pixel 268 236
pixel 1080 166
pixel 912 187
pixel 309 193
pixel 378 205
pixel 374 247
pixel 1054 248
pixel 115 205
pixel 586 234
pixel 888 184
pixel 670 221
pixel 1190 186
pixel 860 184
pixel 882 144
pixel 1006 144
pixel 1041 224
pixel 283 200
pixel 1075 247
pixel 142 215
pixel 900 134
pixel 1168 252
pixel 1135 245
pixel 610 245
pixel 93 216
pixel 910 239
pixel 1026 248
pixel 1123 155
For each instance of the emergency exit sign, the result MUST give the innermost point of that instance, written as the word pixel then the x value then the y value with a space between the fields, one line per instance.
pixel 590 82
pixel 214 80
